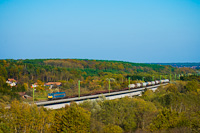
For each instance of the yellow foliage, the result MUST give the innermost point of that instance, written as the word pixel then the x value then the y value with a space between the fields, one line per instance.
pixel 40 85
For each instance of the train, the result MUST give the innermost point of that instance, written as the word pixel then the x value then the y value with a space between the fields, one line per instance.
pixel 61 95
pixel 56 95
pixel 145 84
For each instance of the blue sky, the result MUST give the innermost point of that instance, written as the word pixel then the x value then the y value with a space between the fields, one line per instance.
pixel 126 30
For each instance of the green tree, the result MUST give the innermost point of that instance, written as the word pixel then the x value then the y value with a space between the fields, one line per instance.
pixel 168 119
pixel 118 112
pixel 172 88
pixel 148 95
pixel 112 129
pixel 56 127
pixel 192 86
pixel 74 119
pixel 2 81
pixel 144 112
pixel 40 85
pixel 3 72
pixel 22 117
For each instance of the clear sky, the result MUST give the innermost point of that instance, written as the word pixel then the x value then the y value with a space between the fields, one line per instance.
pixel 126 30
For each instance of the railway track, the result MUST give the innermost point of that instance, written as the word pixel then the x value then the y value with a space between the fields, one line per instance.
pixel 55 104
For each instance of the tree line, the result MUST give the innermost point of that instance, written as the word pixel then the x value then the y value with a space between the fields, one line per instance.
pixel 93 74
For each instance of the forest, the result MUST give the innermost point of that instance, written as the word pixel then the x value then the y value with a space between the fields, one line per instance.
pixel 93 74
pixel 171 108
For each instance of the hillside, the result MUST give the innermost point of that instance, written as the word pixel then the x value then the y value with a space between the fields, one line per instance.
pixel 94 74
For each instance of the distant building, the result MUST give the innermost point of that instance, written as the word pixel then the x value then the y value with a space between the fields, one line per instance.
pixel 34 85
pixel 11 82
pixel 53 83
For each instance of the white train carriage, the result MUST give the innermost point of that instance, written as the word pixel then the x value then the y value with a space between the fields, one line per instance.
pixel 148 83
pixel 138 85
pixel 153 82
pixel 144 84
pixel 131 85
pixel 157 82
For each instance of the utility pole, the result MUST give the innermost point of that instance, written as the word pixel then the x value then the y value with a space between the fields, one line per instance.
pixel 33 94
pixel 170 75
pixel 109 85
pixel 129 83
pixel 175 76
pixel 142 78
pixel 79 88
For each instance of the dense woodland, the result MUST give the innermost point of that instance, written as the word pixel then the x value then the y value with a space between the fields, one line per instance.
pixel 93 74
pixel 172 108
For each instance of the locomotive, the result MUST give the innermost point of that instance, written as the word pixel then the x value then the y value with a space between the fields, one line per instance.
pixel 56 95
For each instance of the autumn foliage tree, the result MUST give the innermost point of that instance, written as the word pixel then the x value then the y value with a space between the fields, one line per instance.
pixel 40 85
pixel 73 119
pixel 22 117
